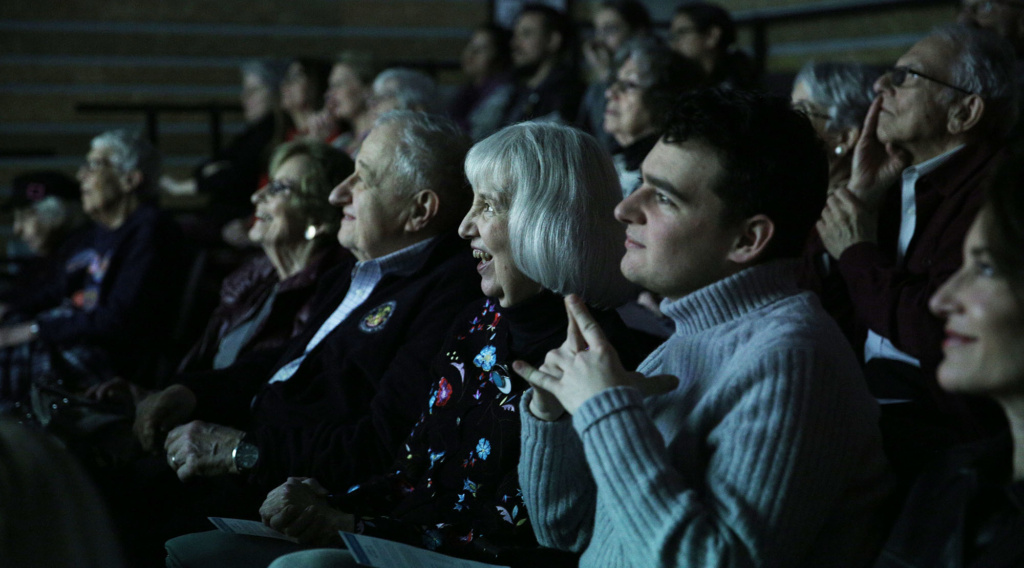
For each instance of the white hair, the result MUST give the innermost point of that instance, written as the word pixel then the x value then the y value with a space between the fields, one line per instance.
pixel 560 190
pixel 414 90
pixel 131 151
pixel 845 89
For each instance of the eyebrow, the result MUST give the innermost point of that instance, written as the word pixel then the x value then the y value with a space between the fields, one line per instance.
pixel 369 175
pixel 663 185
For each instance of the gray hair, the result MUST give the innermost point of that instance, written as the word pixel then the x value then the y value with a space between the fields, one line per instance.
pixel 428 154
pixel 985 64
pixel 414 90
pixel 270 72
pixel 131 151
pixel 560 190
pixel 844 89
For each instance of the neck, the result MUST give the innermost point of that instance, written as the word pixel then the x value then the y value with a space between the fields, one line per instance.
pixel 116 215
pixel 626 140
pixel 300 118
pixel 926 151
pixel 289 260
pixel 707 61
pixel 1014 410
pixel 542 73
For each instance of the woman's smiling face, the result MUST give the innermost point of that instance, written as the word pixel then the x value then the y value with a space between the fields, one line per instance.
pixel 278 218
pixel 486 227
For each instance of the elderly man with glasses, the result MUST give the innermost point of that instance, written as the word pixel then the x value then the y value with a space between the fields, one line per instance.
pixel 893 235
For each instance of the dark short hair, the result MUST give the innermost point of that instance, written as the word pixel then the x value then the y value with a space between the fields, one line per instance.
pixel 554 21
pixel 772 162
pixel 706 16
pixel 502 40
pixel 1004 232
pixel 634 13
pixel 316 71
pixel 664 74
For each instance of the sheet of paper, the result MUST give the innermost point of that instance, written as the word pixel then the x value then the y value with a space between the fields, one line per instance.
pixel 380 553
pixel 252 528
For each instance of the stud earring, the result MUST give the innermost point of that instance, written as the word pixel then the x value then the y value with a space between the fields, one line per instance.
pixel 839 150
pixel 311 232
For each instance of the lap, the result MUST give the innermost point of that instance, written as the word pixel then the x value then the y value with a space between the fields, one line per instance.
pixel 215 549
pixel 317 558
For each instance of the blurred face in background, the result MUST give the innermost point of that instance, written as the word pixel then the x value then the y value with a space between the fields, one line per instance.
pixel 625 116
pixel 610 30
pixel 257 98
pixel 532 43
pixel 104 188
pixel 346 95
pixel 295 89
pixel 686 40
pixel 479 56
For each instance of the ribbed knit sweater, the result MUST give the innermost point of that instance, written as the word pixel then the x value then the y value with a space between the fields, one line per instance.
pixel 768 452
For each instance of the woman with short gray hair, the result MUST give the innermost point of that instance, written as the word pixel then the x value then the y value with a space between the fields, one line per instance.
pixel 836 96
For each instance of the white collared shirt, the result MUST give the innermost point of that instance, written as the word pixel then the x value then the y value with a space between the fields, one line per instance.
pixel 875 345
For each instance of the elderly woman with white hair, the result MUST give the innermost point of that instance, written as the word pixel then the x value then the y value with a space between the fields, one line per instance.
pixel 836 96
pixel 541 226
pixel 107 313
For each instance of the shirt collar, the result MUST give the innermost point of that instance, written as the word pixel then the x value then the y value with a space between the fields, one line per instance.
pixel 928 166
pixel 401 262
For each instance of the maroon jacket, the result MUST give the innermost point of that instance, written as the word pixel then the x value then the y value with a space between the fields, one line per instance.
pixel 869 291
pixel 244 292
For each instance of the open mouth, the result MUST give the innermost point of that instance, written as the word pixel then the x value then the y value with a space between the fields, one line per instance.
pixel 481 255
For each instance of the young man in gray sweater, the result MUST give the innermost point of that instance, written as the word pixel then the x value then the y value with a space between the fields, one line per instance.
pixel 749 437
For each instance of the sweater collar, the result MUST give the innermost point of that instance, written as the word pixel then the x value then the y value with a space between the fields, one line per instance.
pixel 534 321
pixel 732 297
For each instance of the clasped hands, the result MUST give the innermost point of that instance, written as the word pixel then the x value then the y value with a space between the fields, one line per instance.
pixel 583 366
pixel 298 508
pixel 850 215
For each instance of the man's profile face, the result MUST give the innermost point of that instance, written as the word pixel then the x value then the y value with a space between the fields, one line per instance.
pixel 373 213
pixel 530 40
pixel 915 113
pixel 676 241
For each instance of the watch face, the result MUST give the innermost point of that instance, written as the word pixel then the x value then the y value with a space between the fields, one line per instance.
pixel 246 456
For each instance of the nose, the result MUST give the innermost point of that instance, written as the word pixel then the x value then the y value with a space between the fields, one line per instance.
pixel 341 195
pixel 943 301
pixel 467 228
pixel 259 195
pixel 882 83
pixel 628 211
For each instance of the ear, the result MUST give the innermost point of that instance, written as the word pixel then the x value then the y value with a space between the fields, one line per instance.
pixel 422 210
pixel 965 114
pixel 752 240
pixel 712 37
pixel 844 140
pixel 131 181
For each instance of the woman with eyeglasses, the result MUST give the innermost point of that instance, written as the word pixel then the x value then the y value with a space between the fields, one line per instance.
pixel 967 509
pixel 647 79
pixel 836 96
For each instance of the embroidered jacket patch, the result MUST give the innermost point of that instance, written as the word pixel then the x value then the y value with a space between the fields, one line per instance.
pixel 375 319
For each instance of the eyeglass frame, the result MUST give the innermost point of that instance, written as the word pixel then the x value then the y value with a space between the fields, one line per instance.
pixel 903 71
pixel 277 187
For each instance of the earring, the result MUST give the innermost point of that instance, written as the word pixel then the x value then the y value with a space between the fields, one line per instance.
pixel 839 150
pixel 311 232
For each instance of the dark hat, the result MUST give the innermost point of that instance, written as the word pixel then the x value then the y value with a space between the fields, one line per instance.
pixel 31 187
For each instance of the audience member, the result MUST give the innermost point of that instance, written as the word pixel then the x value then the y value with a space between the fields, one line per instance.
pixel 547 87
pixel 478 106
pixel 836 96
pixel 302 96
pixel 229 178
pixel 648 79
pixel 929 140
pixel 542 226
pixel 337 400
pixel 268 300
pixel 1004 17
pixel 968 508
pixel 348 100
pixel 762 445
pixel 108 310
pixel 50 514
pixel 48 220
pixel 399 88
pixel 705 33
pixel 615 23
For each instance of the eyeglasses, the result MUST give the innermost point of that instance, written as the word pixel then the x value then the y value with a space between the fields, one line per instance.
pixel 987 7
pixel 898 76
pixel 805 108
pixel 625 86
pixel 277 187
pixel 94 165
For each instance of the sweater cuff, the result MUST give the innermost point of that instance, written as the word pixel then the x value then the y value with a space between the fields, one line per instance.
pixel 604 404
pixel 533 426
pixel 856 257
